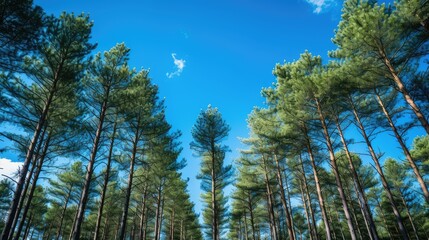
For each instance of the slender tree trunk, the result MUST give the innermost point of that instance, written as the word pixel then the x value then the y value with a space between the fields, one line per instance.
pixel 384 220
pixel 27 184
pixel 158 212
pixel 307 192
pixel 105 183
pixel 408 99
pixel 30 153
pixel 407 154
pixel 270 204
pixel 409 215
pixel 334 234
pixel 172 225
pixel 161 217
pixel 402 229
pixel 145 224
pixel 360 192
pixel 341 228
pixel 246 231
pixel 252 218
pixel 353 212
pixel 27 228
pixel 142 216
pixel 290 203
pixel 335 171
pixel 90 170
pixel 105 230
pixel 304 202
pixel 283 200
pixel 63 212
pixel 33 187
pixel 318 188
pixel 215 224
pixel 130 184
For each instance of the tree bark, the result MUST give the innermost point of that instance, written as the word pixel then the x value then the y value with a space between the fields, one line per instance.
pixel 356 181
pixel 33 187
pixel 283 200
pixel 318 188
pixel 379 169
pixel 143 215
pixel 90 170
pixel 130 183
pixel 307 192
pixel 273 225
pixel 407 153
pixel 105 183
pixel 63 212
pixel 27 184
pixel 407 97
pixel 30 153
pixel 335 170
pixel 215 224
pixel 252 218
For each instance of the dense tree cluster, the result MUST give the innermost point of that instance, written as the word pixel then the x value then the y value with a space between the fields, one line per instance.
pixel 83 123
pixel 303 175
pixel 100 160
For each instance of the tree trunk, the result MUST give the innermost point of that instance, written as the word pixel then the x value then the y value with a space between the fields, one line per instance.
pixel 304 202
pixel 161 217
pixel 215 224
pixel 89 171
pixel 283 200
pixel 30 153
pixel 63 212
pixel 374 157
pixel 27 228
pixel 307 192
pixel 130 184
pixel 142 216
pixel 252 218
pixel 105 183
pixel 27 184
pixel 360 192
pixel 105 230
pixel 407 154
pixel 158 212
pixel 384 220
pixel 409 215
pixel 408 99
pixel 33 187
pixel 335 171
pixel 318 188
pixel 246 230
pixel 273 225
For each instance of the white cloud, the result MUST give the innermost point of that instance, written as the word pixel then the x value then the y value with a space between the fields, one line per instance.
pixel 320 5
pixel 180 65
pixel 8 168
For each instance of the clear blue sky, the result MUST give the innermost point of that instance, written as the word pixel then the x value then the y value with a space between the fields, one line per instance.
pixel 226 51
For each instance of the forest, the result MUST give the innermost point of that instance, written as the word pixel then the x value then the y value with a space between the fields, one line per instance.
pixel 101 161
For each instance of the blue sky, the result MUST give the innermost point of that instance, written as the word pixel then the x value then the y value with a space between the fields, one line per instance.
pixel 209 52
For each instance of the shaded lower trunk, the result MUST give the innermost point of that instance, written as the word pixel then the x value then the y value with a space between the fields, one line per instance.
pixel 360 193
pixel 105 183
pixel 283 200
pixel 317 182
pixel 379 170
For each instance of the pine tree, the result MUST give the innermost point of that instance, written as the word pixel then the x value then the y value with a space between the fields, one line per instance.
pixel 106 76
pixel 58 67
pixel 208 132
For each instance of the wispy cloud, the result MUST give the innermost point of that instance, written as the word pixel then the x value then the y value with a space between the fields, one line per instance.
pixel 320 5
pixel 180 65
pixel 8 167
